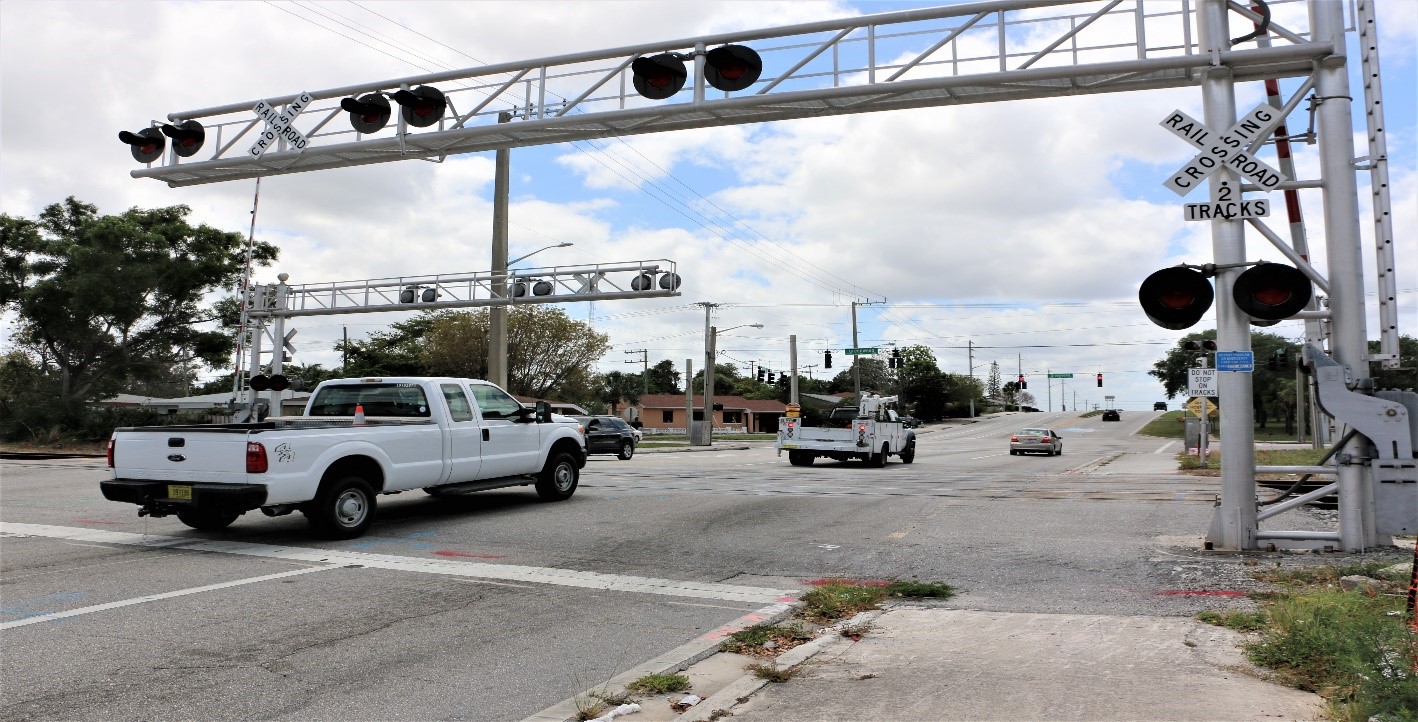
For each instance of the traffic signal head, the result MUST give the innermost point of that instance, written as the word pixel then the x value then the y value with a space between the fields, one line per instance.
pixel 770 377
pixel 1100 379
pixel 1022 383
pixel 732 67
pixel 187 137
pixel 1269 292
pixel 423 106
pixel 827 359
pixel 659 76
pixel 1202 345
pixel 368 113
pixel 147 144
pixel 1175 298
pixel 761 374
pixel 260 382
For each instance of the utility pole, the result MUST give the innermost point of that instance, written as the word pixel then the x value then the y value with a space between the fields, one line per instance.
pixel 793 364
pixel 706 437
pixel 645 367
pixel 497 315
pixel 1018 391
pixel 970 360
pixel 856 357
pixel 689 400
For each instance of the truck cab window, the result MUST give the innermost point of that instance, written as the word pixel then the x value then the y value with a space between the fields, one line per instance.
pixel 496 403
pixel 458 407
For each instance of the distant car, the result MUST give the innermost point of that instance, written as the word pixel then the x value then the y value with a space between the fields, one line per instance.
pixel 608 435
pixel 910 422
pixel 1159 406
pixel 1112 415
pixel 1039 441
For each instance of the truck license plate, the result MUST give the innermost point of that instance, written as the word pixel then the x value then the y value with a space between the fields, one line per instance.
pixel 179 491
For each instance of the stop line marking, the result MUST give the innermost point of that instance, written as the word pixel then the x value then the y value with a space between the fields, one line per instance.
pixel 334 558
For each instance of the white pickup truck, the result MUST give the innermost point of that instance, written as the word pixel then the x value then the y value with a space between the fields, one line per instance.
pixel 357 439
pixel 871 432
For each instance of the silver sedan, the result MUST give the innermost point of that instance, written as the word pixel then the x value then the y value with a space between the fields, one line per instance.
pixel 1042 441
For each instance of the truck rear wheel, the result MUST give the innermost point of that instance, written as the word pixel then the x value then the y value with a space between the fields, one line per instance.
pixel 343 509
pixel 559 477
pixel 879 460
pixel 800 458
pixel 206 519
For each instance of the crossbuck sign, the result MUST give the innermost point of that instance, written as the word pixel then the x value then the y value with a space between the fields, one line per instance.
pixel 278 125
pixel 1226 150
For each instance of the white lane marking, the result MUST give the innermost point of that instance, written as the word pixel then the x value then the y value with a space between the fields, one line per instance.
pixel 986 456
pixel 1163 448
pixel 505 572
pixel 155 597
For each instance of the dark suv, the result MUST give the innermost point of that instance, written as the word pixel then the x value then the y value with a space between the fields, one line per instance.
pixel 608 435
pixel 1112 415
pixel 1159 406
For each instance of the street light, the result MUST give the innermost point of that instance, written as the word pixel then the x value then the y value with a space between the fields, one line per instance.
pixel 497 315
pixel 539 250
pixel 710 361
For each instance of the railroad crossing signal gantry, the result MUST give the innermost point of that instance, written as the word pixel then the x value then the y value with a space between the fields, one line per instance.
pixel 889 61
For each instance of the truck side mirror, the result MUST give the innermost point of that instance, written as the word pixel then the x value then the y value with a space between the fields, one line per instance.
pixel 543 412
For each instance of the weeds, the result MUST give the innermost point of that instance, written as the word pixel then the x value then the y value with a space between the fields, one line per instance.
pixel 772 672
pixel 1239 621
pixel 755 639
pixel 659 684
pixel 839 598
pixel 1354 648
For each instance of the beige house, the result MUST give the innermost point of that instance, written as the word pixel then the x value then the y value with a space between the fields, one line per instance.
pixel 735 414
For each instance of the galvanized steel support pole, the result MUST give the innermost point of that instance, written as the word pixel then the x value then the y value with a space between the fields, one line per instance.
pixel 793 362
pixel 1348 335
pixel 1235 524
pixel 497 315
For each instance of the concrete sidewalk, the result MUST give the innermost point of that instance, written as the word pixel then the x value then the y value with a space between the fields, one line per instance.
pixel 934 664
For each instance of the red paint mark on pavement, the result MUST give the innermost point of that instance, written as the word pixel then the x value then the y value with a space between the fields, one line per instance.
pixel 448 553
pixel 786 600
pixel 1202 593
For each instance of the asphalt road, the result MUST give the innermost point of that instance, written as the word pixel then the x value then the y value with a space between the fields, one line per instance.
pixel 493 606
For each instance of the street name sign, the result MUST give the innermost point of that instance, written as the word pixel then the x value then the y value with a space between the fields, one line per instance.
pixel 1225 150
pixel 1202 382
pixel 860 351
pixel 1235 361
pixel 278 125
pixel 1060 376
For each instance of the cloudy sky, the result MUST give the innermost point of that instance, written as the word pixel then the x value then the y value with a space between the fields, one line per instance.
pixel 1014 231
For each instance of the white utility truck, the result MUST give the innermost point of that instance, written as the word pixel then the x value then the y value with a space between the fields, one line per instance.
pixel 870 432
pixel 357 439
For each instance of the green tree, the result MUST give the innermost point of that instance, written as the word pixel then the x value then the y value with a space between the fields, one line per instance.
pixel 548 353
pixel 396 352
pixel 1404 377
pixel 1272 391
pixel 616 387
pixel 106 300
pixel 992 387
pixel 876 376
pixel 726 378
pixel 664 379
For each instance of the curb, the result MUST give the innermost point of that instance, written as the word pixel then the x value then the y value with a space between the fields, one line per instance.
pixel 692 449
pixel 675 660
pixel 737 691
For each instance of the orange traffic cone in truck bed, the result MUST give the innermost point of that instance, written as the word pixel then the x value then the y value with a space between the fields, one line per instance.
pixel 359 415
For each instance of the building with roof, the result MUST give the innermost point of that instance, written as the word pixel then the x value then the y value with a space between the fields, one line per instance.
pixel 666 413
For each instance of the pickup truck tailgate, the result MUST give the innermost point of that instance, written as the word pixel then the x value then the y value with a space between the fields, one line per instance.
pixel 182 454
